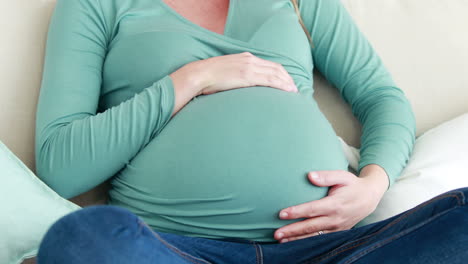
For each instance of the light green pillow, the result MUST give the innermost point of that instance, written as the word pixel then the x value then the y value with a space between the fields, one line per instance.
pixel 28 208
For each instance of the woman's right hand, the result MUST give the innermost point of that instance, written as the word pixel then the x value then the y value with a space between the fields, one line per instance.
pixel 239 70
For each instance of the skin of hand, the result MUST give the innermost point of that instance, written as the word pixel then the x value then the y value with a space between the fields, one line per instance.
pixel 244 70
pixel 226 72
pixel 349 200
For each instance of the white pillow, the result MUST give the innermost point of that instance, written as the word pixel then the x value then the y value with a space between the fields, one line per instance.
pixel 29 207
pixel 439 163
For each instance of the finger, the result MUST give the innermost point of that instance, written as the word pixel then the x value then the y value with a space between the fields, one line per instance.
pixel 332 177
pixel 315 208
pixel 304 236
pixel 304 227
pixel 281 73
pixel 280 67
pixel 271 72
pixel 267 76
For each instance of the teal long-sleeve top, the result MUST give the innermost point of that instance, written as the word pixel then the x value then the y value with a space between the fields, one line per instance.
pixel 226 163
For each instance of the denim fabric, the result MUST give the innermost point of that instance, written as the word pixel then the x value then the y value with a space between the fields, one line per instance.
pixel 435 231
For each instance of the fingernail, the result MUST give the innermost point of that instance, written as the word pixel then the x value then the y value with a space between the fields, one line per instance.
pixel 314 176
pixel 280 235
pixel 283 214
pixel 284 240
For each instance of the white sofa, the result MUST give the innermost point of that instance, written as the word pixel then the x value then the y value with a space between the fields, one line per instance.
pixel 422 43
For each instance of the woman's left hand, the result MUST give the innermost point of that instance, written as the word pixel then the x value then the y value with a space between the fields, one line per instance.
pixel 349 200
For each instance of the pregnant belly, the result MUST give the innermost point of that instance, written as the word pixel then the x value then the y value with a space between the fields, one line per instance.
pixel 228 162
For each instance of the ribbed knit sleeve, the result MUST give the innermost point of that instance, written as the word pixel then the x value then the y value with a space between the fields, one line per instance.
pixel 78 148
pixel 348 61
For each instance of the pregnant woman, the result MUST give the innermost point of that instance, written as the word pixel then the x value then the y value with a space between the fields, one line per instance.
pixel 202 115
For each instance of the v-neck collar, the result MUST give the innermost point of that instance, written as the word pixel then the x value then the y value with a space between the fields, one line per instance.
pixel 226 38
pixel 192 24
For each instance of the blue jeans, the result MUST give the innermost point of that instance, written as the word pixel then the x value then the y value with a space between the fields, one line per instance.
pixel 435 231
